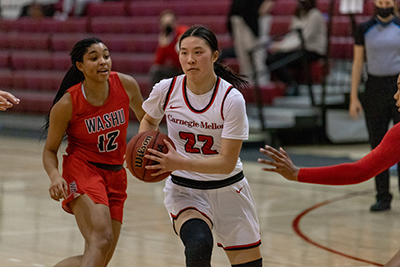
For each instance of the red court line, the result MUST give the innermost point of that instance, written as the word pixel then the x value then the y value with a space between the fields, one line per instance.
pixel 296 227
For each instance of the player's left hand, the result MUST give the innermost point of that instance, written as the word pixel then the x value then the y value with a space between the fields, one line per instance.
pixel 167 162
pixel 281 161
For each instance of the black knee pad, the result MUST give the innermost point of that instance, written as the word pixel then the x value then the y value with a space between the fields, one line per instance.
pixel 256 263
pixel 198 240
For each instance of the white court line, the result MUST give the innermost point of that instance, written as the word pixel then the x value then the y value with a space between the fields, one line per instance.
pixel 14 260
pixel 32 264
pixel 42 231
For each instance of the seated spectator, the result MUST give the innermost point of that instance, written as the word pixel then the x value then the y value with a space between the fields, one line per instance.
pixel 166 63
pixel 37 10
pixel 71 8
pixel 249 24
pixel 285 54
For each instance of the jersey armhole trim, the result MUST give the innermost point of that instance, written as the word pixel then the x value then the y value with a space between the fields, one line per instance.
pixel 223 101
pixel 168 96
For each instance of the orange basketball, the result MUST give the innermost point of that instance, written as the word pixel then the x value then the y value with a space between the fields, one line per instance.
pixel 137 148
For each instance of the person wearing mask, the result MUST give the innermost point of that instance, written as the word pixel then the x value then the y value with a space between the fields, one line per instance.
pixel 377 40
pixel 166 62
pixel 379 159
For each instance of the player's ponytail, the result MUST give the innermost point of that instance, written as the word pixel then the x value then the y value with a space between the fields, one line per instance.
pixel 74 75
pixel 230 76
pixel 220 70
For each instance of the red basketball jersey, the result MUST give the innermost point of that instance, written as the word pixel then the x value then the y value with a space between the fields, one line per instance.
pixel 98 133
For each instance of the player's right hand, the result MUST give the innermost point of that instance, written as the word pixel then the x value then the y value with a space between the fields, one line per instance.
pixel 58 189
pixel 355 108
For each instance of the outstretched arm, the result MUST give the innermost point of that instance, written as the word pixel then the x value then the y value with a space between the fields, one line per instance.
pixel 379 159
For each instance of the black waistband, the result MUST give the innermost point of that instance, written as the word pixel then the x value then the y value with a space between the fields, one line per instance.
pixel 206 184
pixel 107 167
pixel 370 76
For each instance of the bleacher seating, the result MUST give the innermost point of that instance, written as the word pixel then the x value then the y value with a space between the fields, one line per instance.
pixel 46 25
pixel 110 9
pixel 34 54
pixel 4 59
pixel 27 41
pixel 194 8
pixel 6 78
pixel 40 60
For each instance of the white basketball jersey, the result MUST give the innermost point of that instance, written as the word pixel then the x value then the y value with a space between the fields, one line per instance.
pixel 197 132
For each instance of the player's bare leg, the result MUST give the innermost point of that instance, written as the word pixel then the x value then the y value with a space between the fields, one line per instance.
pixel 100 233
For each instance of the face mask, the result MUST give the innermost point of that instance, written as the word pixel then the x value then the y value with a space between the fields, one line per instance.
pixel 384 12
pixel 168 30
pixel 304 4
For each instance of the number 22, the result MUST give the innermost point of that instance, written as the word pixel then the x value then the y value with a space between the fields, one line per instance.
pixel 191 142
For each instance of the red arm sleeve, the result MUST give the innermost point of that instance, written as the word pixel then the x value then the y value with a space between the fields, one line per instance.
pixel 379 159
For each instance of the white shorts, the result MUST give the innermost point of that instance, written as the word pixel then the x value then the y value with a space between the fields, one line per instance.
pixel 230 209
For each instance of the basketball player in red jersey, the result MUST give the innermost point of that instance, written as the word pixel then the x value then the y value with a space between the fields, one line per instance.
pixel 92 110
pixel 384 156
pixel 206 119
pixel 7 100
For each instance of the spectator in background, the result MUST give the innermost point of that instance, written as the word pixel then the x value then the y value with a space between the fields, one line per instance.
pixel 309 20
pixel 72 7
pixel 166 63
pixel 37 10
pixel 248 23
pixel 377 40
pixel 265 19
pixel 7 100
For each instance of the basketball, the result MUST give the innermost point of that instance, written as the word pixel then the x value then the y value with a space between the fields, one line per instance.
pixel 137 148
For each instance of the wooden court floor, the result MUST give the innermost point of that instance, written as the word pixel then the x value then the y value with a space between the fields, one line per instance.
pixel 302 225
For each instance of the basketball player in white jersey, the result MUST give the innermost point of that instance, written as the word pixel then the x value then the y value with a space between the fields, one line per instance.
pixel 206 119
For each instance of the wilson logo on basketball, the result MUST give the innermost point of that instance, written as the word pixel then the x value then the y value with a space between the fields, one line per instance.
pixel 141 151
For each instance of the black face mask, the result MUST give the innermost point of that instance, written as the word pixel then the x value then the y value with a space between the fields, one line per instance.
pixel 304 5
pixel 168 30
pixel 384 12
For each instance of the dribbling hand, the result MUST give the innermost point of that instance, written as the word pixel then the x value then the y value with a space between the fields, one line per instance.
pixel 168 162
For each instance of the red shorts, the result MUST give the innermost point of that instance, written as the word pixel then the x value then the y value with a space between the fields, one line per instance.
pixel 102 186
